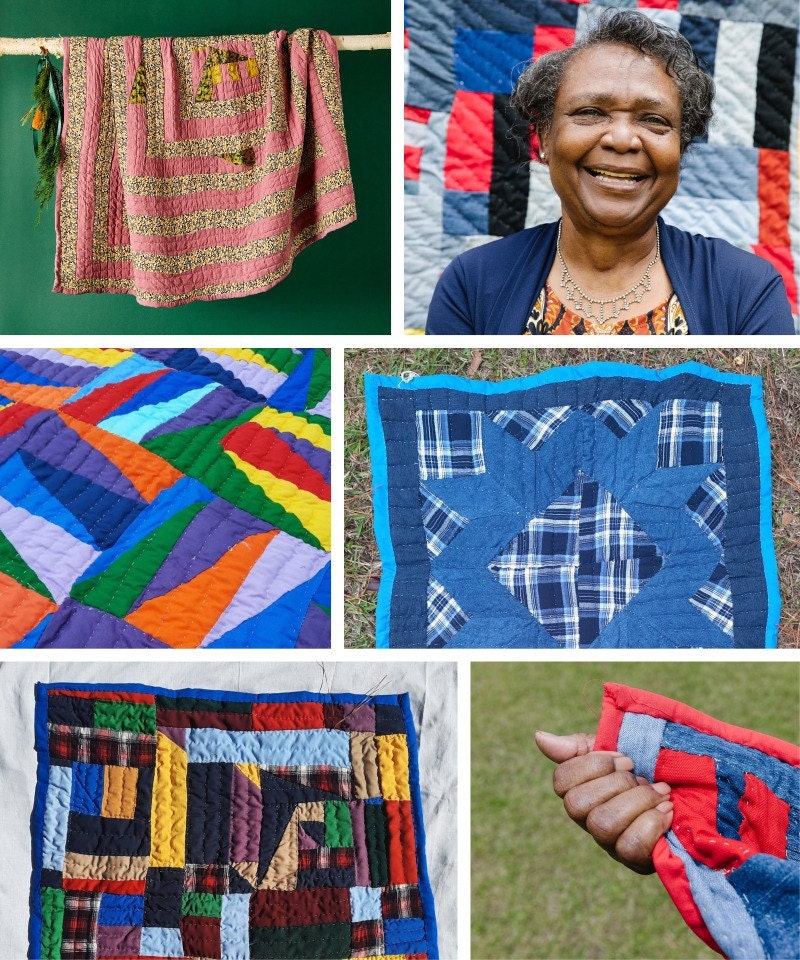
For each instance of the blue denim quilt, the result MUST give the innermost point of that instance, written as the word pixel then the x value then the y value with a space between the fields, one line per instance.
pixel 602 505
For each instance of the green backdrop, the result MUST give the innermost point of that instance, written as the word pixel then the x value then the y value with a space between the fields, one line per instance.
pixel 339 285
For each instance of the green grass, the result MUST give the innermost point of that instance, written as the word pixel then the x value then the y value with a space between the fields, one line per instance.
pixel 779 369
pixel 541 887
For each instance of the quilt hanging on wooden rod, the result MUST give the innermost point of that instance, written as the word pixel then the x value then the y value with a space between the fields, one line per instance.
pixel 197 168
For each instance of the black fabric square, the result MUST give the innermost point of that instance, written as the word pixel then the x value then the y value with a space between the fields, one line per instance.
pixel 389 719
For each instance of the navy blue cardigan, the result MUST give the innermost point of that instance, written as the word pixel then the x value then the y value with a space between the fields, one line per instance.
pixel 722 289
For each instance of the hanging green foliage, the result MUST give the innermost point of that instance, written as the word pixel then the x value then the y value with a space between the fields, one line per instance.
pixel 45 117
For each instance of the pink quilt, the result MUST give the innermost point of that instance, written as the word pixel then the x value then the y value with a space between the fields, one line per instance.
pixel 196 168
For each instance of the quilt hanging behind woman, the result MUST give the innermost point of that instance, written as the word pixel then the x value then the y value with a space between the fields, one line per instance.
pixel 197 168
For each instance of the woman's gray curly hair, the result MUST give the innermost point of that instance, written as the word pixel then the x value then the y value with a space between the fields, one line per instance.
pixel 535 93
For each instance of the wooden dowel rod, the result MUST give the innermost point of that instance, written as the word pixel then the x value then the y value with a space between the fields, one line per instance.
pixel 54 45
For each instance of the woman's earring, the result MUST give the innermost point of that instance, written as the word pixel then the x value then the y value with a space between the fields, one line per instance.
pixel 543 156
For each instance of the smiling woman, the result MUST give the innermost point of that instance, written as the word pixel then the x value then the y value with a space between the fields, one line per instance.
pixel 611 118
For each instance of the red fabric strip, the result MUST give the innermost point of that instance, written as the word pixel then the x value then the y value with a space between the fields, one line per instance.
pixel 289 908
pixel 265 450
pixel 288 716
pixel 401 848
pixel 102 402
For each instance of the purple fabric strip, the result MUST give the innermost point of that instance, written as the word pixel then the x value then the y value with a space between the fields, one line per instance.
pixel 74 625
pixel 61 447
pixel 11 442
pixel 45 363
pixel 315 631
pixel 359 843
pixel 176 734
pixel 318 458
pixel 218 527
pixel 220 404
pixel 245 812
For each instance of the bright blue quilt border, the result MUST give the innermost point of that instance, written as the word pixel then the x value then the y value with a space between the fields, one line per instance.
pixel 380 477
pixel 402 700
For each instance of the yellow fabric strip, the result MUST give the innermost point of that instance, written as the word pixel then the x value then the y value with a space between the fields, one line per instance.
pixel 233 71
pixel 252 68
pixel 119 792
pixel 168 813
pixel 393 766
pixel 96 356
pixel 313 513
pixel 289 423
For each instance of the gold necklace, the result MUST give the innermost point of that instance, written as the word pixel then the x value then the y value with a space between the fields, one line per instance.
pixel 583 304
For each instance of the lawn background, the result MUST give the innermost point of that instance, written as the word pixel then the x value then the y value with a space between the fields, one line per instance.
pixel 779 369
pixel 541 887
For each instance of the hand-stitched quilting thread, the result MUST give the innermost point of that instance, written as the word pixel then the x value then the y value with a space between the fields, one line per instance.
pixel 467 178
pixel 731 860
pixel 209 824
pixel 196 168
pixel 164 498
pixel 601 505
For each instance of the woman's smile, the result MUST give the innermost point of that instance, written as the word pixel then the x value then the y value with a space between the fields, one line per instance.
pixel 613 146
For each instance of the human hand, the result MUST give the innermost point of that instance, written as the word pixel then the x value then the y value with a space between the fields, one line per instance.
pixel 623 813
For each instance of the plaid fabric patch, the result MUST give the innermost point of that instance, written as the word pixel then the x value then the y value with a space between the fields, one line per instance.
pixel 206 878
pixel 531 427
pixel 578 564
pixel 606 531
pixel 445 616
pixel 449 444
pixel 708 506
pixel 118 748
pixel 689 433
pixel 401 901
pixel 367 939
pixel 441 522
pixel 714 599
pixel 336 780
pixel 80 926
pixel 618 415
pixel 326 858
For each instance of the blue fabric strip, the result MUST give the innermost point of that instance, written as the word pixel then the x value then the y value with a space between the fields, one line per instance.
pixel 380 501
pixel 37 818
pixel 424 883
pixel 199 693
pixel 269 747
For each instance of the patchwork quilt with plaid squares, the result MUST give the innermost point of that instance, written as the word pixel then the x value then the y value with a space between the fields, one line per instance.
pixel 731 860
pixel 467 175
pixel 601 505
pixel 226 826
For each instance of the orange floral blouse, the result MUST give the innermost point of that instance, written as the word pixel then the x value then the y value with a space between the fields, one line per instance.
pixel 550 315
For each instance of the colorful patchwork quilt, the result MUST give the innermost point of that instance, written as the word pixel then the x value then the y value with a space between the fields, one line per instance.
pixel 601 505
pixel 731 860
pixel 467 175
pixel 227 826
pixel 195 168
pixel 164 498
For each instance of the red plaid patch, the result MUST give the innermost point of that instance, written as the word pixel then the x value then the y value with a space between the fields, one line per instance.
pixel 366 939
pixel 402 900
pixel 79 934
pixel 330 779
pixel 120 748
pixel 325 858
pixel 206 878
